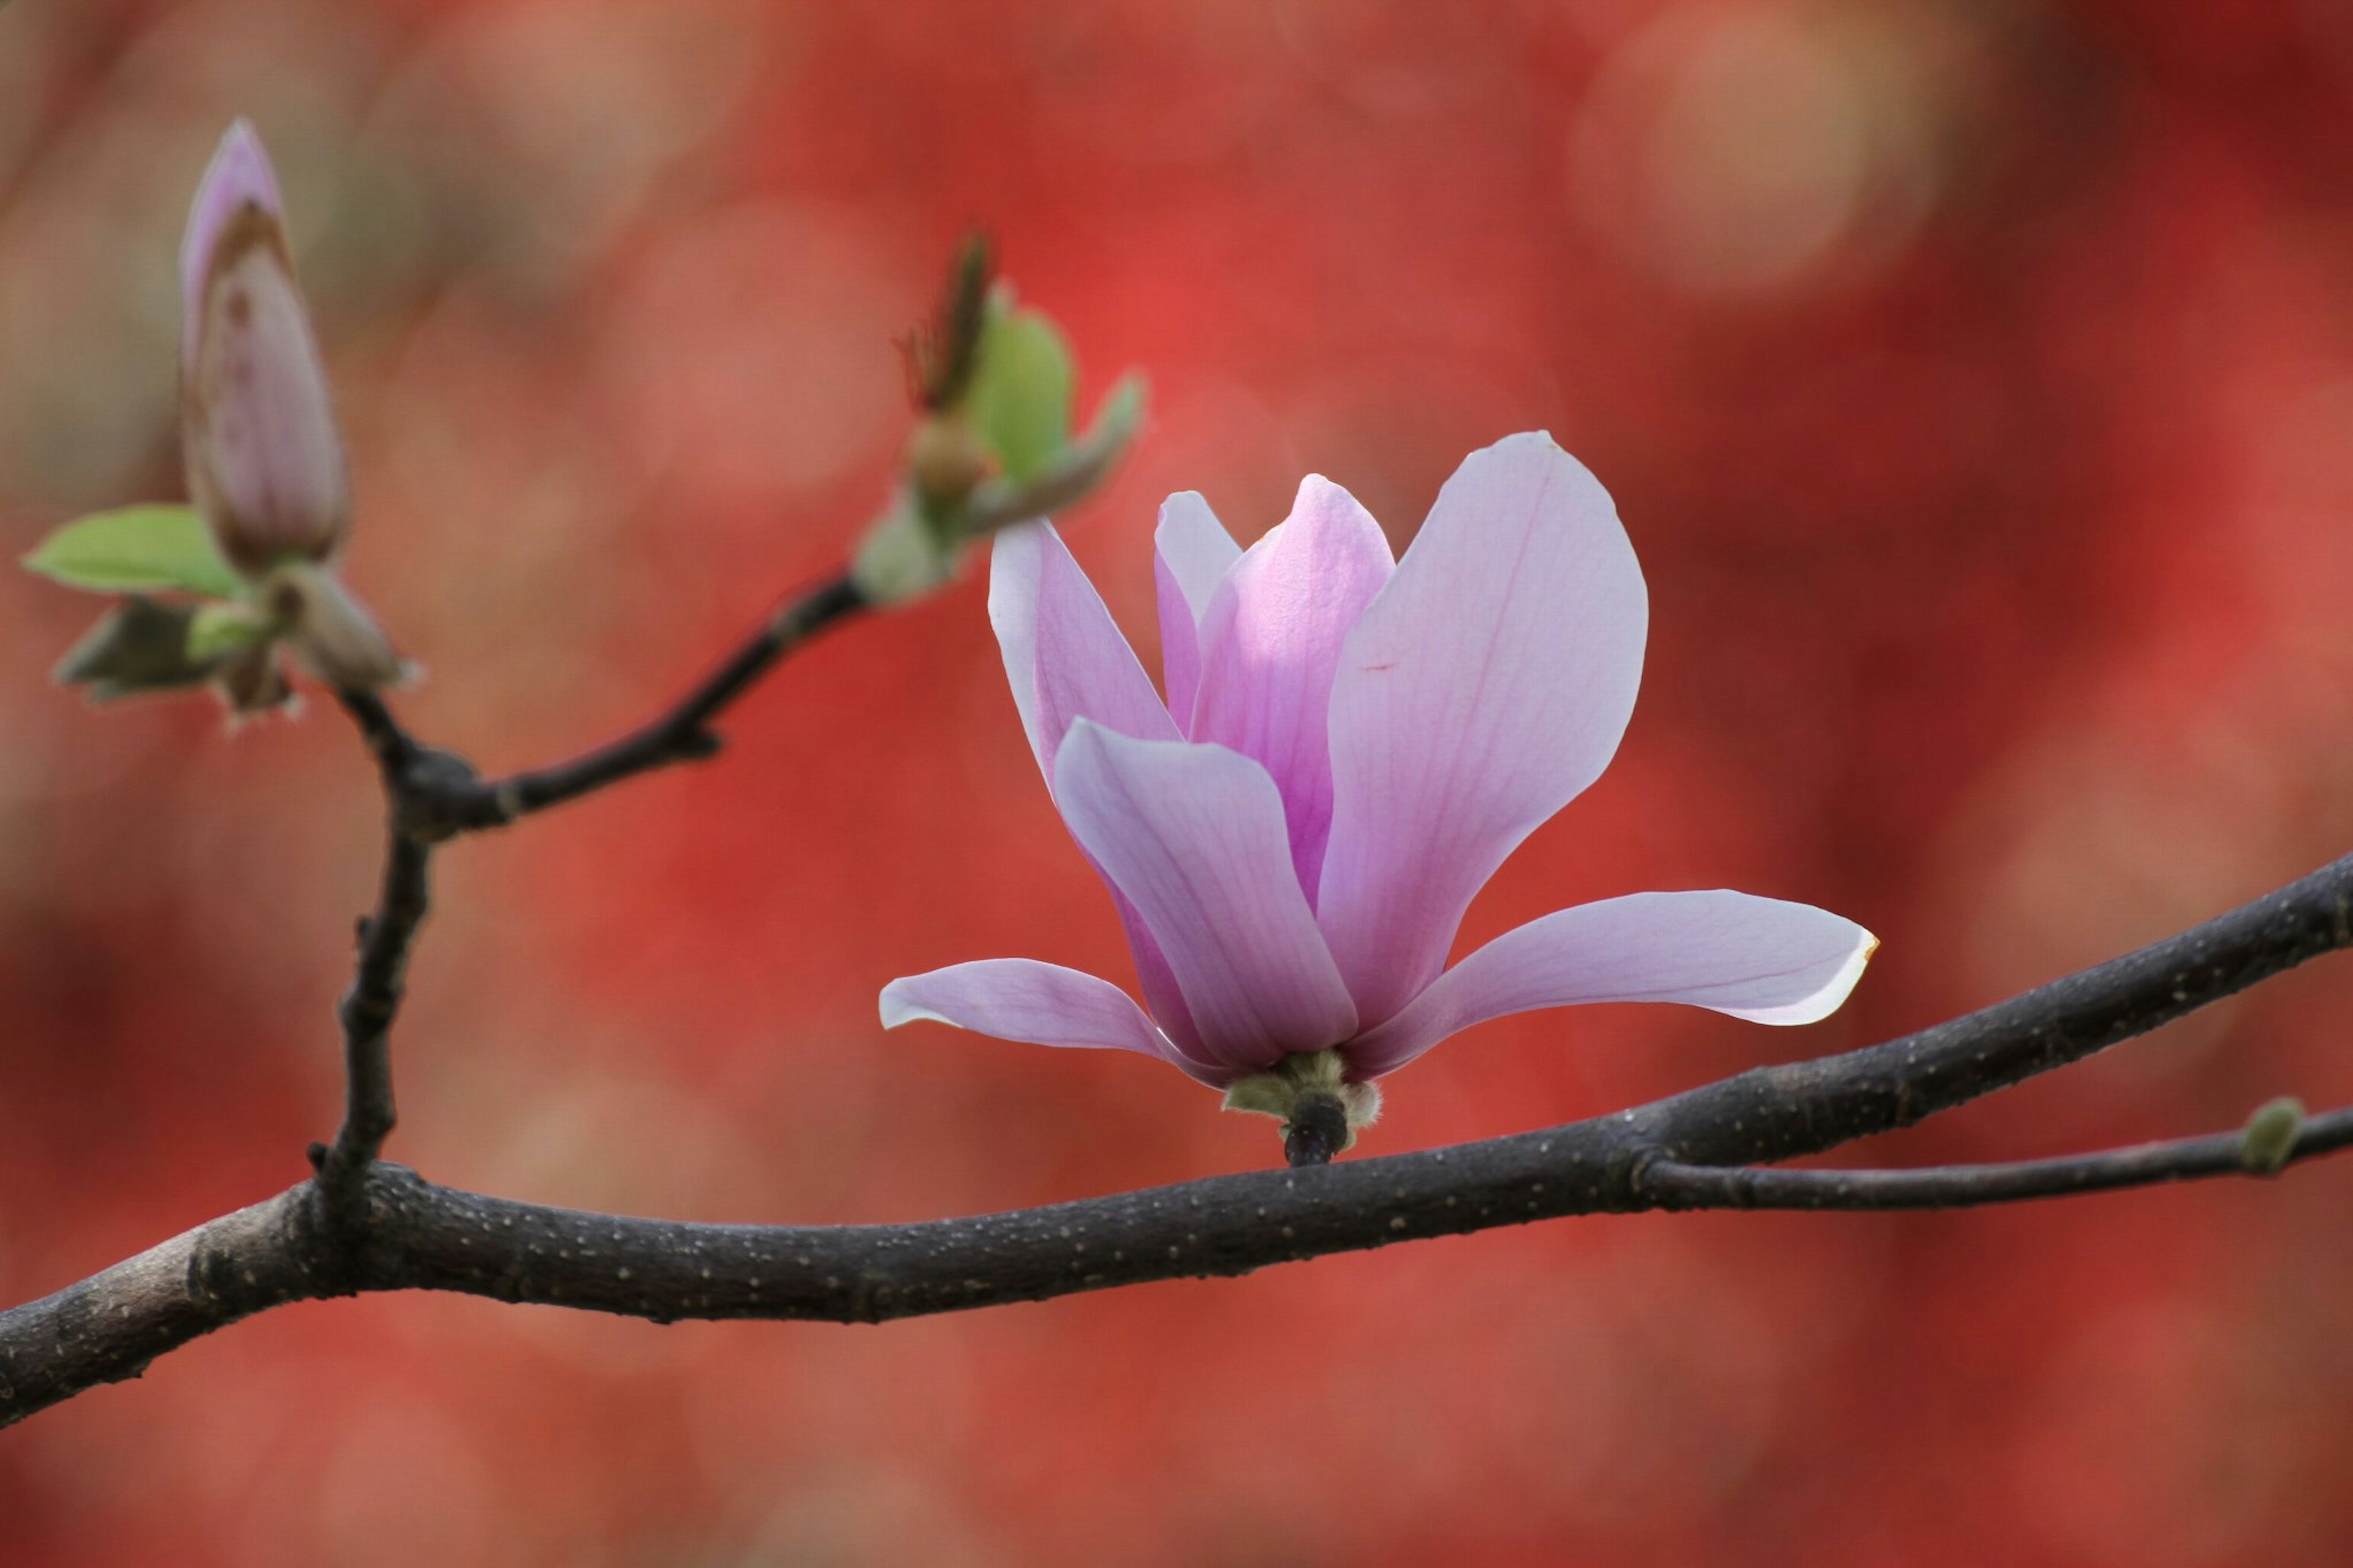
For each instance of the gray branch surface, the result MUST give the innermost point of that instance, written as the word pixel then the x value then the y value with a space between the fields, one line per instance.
pixel 363 1225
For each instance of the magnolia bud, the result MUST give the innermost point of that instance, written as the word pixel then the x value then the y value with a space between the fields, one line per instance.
pixel 257 423
pixel 2270 1139
pixel 946 459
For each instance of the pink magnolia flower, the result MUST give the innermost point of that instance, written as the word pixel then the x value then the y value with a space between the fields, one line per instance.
pixel 1349 747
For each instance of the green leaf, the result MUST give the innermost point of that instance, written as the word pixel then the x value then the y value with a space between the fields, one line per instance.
pixel 1075 472
pixel 139 646
pixel 137 550
pixel 1020 397
pixel 219 630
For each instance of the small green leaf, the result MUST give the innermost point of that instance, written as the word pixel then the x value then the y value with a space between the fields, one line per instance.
pixel 137 550
pixel 219 630
pixel 1020 396
pixel 139 646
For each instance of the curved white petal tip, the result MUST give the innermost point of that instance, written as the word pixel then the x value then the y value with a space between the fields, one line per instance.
pixel 1818 1004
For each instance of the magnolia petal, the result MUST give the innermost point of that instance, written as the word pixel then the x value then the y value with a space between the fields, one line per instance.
pixel 1038 1003
pixel 1085 667
pixel 1270 642
pixel 1194 547
pixel 1765 960
pixel 1180 644
pixel 1065 658
pixel 1483 689
pixel 238 176
pixel 1016 565
pixel 1194 835
pixel 1191 554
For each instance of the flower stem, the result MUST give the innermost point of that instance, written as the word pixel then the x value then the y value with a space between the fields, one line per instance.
pixel 1317 1128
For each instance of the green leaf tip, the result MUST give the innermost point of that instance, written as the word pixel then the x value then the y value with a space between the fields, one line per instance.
pixel 137 550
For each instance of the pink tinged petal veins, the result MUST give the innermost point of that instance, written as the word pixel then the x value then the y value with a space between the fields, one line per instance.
pixel 1271 644
pixel 1038 1003
pixel 1191 554
pixel 1065 660
pixel 1085 667
pixel 1483 689
pixel 1016 564
pixel 1180 646
pixel 1064 656
pixel 1764 960
pixel 1195 836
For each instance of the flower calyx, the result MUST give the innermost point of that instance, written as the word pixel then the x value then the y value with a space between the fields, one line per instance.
pixel 1310 1094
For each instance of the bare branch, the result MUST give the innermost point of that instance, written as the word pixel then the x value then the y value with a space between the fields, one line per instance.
pixel 108 1327
pixel 416 1235
pixel 442 800
pixel 367 1012
pixel 1781 1112
pixel 433 795
pixel 1678 1187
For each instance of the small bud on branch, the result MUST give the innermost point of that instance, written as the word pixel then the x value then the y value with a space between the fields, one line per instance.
pixel 266 471
pixel 994 445
pixel 2269 1140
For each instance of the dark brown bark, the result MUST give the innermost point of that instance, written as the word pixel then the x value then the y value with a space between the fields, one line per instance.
pixel 416 1235
pixel 364 1225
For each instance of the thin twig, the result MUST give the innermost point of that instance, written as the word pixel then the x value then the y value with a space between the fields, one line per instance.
pixel 433 795
pixel 1680 1186
pixel 456 801
pixel 1775 1113
pixel 368 1008
pixel 421 1236
pixel 392 746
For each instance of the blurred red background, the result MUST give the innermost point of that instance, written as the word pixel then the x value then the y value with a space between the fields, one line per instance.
pixel 1976 381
